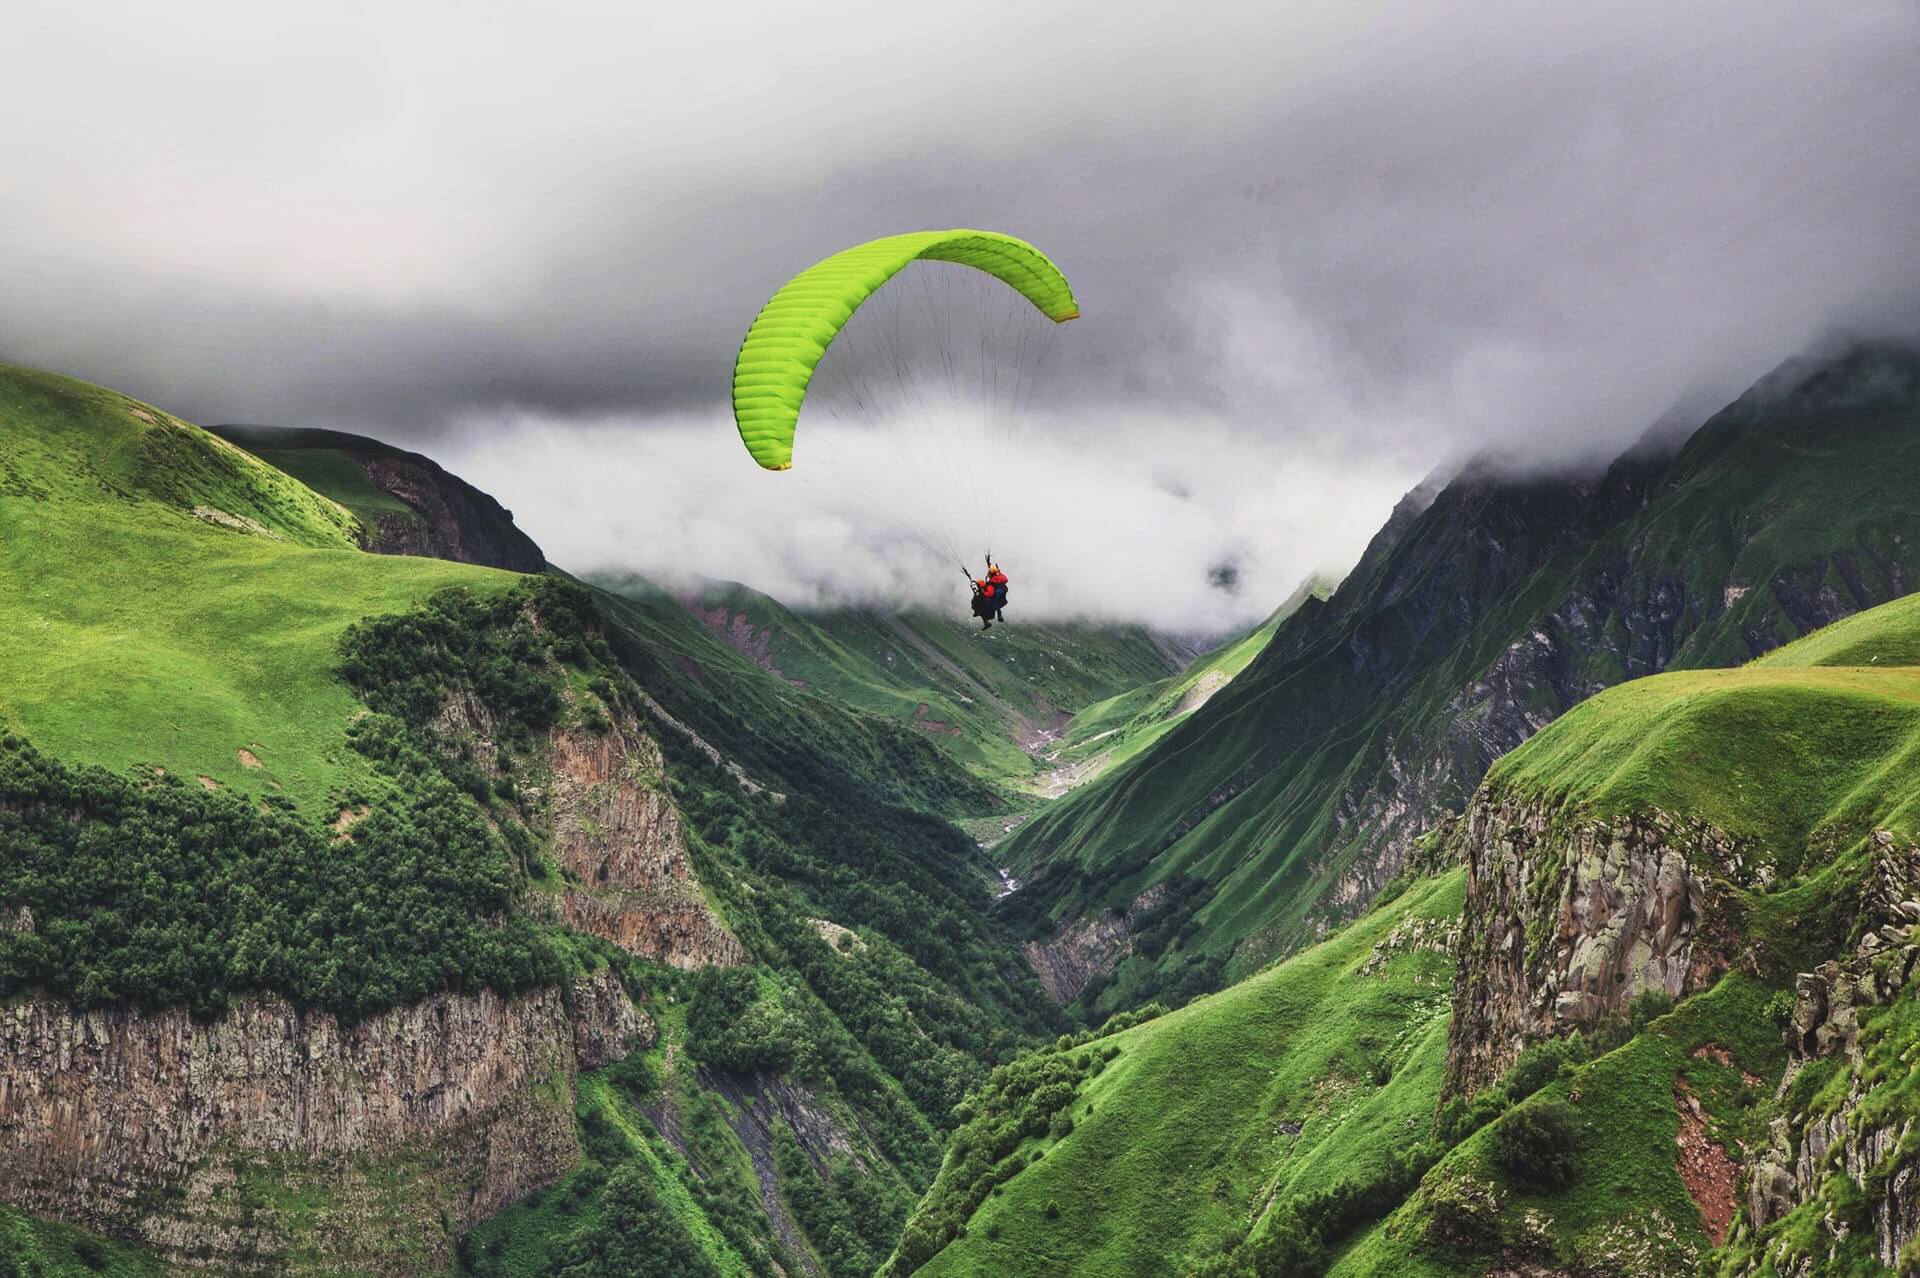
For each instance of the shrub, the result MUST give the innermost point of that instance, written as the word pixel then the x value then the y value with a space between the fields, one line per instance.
pixel 1538 1145
pixel 1541 1064
pixel 1053 1209
pixel 1780 1008
pixel 1462 1116
pixel 1647 1006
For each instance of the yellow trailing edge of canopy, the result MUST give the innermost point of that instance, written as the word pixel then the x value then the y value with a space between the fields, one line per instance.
pixel 793 330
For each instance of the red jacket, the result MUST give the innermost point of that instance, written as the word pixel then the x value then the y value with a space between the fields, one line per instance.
pixel 998 579
pixel 985 587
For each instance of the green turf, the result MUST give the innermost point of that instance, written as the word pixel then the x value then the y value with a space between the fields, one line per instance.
pixel 133 632
pixel 1770 752
pixel 1182 1139
pixel 30 1246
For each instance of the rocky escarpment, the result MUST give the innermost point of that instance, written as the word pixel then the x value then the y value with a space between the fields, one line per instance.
pixel 1091 947
pixel 452 519
pixel 1857 1138
pixel 619 841
pixel 1625 619
pixel 434 514
pixel 1569 916
pixel 378 1141
pixel 615 835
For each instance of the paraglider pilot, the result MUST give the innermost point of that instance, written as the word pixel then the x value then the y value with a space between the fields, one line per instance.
pixel 990 595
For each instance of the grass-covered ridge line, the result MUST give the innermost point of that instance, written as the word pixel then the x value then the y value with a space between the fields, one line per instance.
pixel 1316 1070
pixel 1771 752
pixel 135 632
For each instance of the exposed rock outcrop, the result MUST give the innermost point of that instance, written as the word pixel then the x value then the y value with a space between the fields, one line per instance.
pixel 159 1128
pixel 444 517
pixel 757 1102
pixel 1091 947
pixel 615 835
pixel 453 519
pixel 1807 1151
pixel 1568 917
pixel 618 838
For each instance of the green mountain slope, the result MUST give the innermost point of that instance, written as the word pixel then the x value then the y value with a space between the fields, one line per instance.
pixel 168 600
pixel 241 757
pixel 1783 790
pixel 1201 1119
pixel 990 700
pixel 1110 732
pixel 1477 617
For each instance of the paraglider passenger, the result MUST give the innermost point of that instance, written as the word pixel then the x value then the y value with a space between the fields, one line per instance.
pixel 985 606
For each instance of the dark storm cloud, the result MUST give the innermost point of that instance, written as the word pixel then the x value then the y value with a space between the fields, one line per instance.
pixel 1362 237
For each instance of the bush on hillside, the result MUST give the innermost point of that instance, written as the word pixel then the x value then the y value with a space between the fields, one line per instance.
pixel 1542 1063
pixel 1648 1006
pixel 1538 1145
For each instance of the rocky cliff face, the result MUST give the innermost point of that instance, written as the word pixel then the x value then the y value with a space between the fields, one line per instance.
pixel 445 516
pixel 620 843
pixel 615 835
pixel 272 1133
pixel 1857 1138
pixel 1568 917
pixel 1091 947
pixel 454 519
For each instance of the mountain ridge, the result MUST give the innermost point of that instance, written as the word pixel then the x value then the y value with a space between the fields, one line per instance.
pixel 1474 619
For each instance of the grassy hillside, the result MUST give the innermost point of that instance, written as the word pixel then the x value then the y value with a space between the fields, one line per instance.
pixel 168 600
pixel 1801 756
pixel 1320 1068
pixel 1108 733
pixel 1294 793
pixel 1183 1155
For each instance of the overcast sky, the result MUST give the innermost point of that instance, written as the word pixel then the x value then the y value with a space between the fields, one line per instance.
pixel 1320 248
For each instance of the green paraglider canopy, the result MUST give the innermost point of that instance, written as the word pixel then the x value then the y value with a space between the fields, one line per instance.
pixel 794 329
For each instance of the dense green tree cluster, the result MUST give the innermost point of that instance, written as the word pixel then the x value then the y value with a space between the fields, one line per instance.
pixel 630 1232
pixel 504 648
pixel 151 892
pixel 741 1020
pixel 1018 1102
pixel 155 893
pixel 903 879
pixel 850 1216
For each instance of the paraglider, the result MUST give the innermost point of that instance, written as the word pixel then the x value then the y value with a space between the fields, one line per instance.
pixel 784 347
